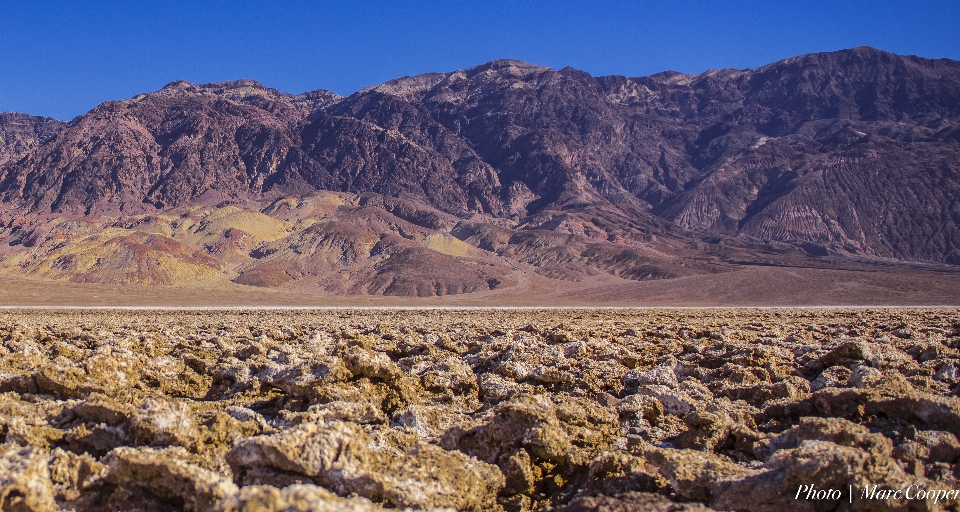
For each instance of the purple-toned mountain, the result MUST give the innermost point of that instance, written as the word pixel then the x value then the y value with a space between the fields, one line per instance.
pixel 19 133
pixel 853 153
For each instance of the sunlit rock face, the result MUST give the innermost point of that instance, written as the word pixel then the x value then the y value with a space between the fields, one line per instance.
pixel 846 154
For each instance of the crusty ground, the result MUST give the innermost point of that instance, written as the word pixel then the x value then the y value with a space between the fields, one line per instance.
pixel 574 409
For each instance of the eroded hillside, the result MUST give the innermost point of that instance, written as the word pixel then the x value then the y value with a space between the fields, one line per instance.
pixel 853 156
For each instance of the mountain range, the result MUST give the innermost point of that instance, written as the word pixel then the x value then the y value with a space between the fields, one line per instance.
pixel 449 183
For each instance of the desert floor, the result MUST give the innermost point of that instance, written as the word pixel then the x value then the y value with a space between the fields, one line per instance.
pixel 523 409
pixel 750 286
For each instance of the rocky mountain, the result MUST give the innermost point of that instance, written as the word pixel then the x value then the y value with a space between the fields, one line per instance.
pixel 462 181
pixel 19 133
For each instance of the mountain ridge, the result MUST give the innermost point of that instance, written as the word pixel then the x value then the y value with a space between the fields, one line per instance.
pixel 852 154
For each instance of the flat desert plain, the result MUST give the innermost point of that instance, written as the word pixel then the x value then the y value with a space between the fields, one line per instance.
pixel 499 409
pixel 751 285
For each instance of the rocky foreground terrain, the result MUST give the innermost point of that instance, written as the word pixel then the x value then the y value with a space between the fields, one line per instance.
pixel 571 410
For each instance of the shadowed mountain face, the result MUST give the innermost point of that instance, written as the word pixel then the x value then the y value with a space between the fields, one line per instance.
pixel 851 154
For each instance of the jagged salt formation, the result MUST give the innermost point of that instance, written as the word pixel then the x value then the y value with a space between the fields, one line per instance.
pixel 522 410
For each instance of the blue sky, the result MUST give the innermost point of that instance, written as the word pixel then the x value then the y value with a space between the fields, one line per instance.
pixel 62 58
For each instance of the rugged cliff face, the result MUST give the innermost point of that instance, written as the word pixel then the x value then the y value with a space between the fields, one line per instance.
pixel 847 154
pixel 19 133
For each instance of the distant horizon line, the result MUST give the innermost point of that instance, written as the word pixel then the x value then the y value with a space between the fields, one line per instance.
pixel 455 308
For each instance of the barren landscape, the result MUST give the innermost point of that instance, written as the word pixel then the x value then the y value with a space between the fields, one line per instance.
pixel 482 256
pixel 821 181
pixel 892 285
pixel 564 409
pixel 502 181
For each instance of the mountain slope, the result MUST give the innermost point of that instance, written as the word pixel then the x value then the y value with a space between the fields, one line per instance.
pixel 19 133
pixel 848 155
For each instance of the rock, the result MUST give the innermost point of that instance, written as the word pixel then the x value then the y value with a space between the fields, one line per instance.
pixel 864 377
pixel 660 376
pixel 98 439
pixel 696 390
pixel 18 383
pixel 340 456
pixel 31 431
pixel 25 482
pixel 790 389
pixel 293 498
pixel 243 414
pixel 452 376
pixel 822 464
pixel 220 431
pixel 429 421
pixel 948 372
pixel 518 470
pixel 835 430
pixel 575 349
pixel 827 453
pixel 363 413
pixel 377 394
pixel 71 473
pixel 738 375
pixel 911 452
pixel 698 476
pixel 629 502
pixel 849 353
pixel 304 379
pixel 167 474
pixel 706 431
pixel 528 422
pixel 934 351
pixel 515 370
pixel 639 412
pixel 100 408
pixel 550 377
pixel 373 365
pixel 429 476
pixel 942 446
pixel 107 371
pixel 494 388
pixel 833 377
pixel 674 401
pixel 616 473
pixel 162 422
pixel 896 401
pixel 589 426
pixel 644 416
pixel 308 449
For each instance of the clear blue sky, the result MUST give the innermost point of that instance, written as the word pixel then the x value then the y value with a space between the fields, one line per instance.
pixel 62 58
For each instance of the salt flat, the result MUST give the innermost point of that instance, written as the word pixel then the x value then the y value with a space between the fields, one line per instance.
pixel 475 409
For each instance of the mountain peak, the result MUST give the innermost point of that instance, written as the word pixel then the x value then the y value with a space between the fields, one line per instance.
pixel 241 87
pixel 841 57
pixel 242 83
pixel 513 63
pixel 509 67
pixel 177 85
